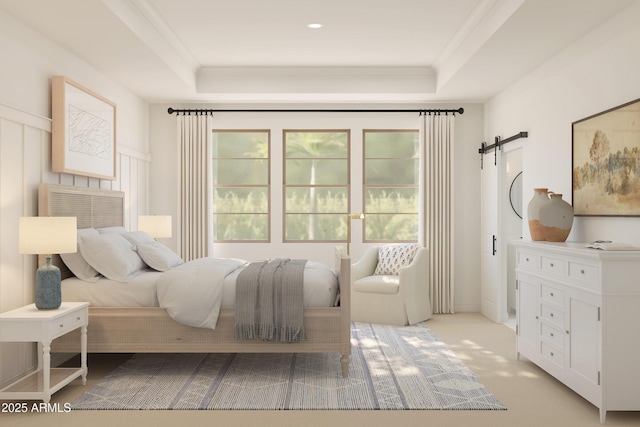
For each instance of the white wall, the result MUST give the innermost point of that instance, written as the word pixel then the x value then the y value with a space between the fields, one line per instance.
pixel 468 133
pixel 28 62
pixel 600 71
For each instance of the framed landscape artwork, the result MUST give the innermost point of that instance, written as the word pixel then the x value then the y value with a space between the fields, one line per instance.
pixel 606 162
pixel 83 131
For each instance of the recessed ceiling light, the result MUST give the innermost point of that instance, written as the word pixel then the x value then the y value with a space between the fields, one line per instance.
pixel 315 25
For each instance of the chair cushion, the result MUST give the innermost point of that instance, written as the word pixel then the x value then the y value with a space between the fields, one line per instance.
pixel 377 284
pixel 391 258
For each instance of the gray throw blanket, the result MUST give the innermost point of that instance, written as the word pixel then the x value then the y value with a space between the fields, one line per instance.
pixel 269 301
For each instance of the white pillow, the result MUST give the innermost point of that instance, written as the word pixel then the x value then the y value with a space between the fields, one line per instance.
pixel 112 256
pixel 135 237
pixel 76 262
pixel 158 256
pixel 391 258
pixel 114 230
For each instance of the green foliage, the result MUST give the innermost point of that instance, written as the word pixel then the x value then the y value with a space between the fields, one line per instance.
pixel 241 214
pixel 245 218
pixel 391 215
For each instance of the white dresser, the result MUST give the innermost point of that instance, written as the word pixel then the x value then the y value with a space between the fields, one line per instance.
pixel 578 318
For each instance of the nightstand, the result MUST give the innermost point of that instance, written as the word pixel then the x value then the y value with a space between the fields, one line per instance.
pixel 28 324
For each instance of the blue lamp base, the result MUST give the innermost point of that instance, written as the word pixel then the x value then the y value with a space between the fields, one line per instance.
pixel 48 288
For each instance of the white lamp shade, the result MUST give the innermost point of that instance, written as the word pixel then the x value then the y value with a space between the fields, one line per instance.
pixel 44 235
pixel 157 226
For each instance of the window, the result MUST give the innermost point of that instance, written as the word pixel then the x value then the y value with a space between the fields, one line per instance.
pixel 241 185
pixel 391 164
pixel 316 185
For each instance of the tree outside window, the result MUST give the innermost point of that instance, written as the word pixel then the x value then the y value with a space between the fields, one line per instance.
pixel 316 184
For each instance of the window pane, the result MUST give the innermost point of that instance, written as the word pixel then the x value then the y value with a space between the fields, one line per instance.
pixel 328 227
pixel 316 200
pixel 240 172
pixel 391 171
pixel 317 145
pixel 241 200
pixel 391 177
pixel 316 180
pixel 241 227
pixel 316 172
pixel 241 185
pixel 391 200
pixel 391 227
pixel 235 145
pixel 391 144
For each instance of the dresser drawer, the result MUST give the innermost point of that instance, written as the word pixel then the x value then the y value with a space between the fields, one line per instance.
pixel 553 265
pixel 67 323
pixel 552 294
pixel 551 353
pixel 552 334
pixel 552 314
pixel 528 261
pixel 584 272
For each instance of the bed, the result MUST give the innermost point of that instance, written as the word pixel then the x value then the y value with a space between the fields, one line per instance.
pixel 150 329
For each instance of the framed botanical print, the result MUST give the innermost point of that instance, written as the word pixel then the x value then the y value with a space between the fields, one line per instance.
pixel 83 131
pixel 606 162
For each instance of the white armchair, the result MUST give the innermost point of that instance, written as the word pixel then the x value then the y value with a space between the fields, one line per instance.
pixel 394 300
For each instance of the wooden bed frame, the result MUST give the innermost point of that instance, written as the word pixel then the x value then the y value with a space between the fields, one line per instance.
pixel 152 330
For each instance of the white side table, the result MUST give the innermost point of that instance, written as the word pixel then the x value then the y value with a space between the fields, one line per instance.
pixel 28 324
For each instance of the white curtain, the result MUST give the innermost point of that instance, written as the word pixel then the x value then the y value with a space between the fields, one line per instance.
pixel 195 217
pixel 436 205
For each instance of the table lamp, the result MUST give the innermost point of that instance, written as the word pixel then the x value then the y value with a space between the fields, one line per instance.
pixel 46 235
pixel 157 226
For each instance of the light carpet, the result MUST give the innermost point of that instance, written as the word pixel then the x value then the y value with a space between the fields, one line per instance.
pixel 392 368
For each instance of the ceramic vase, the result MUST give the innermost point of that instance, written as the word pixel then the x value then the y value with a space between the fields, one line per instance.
pixel 556 218
pixel 540 198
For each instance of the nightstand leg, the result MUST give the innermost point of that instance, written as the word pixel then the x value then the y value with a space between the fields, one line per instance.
pixel 40 351
pixel 46 371
pixel 83 353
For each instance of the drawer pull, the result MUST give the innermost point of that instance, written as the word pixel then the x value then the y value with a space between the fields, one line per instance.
pixel 62 325
pixel 551 264
pixel 78 318
pixel 581 271
pixel 551 334
pixel 551 293
pixel 527 259
pixel 551 314
pixel 551 354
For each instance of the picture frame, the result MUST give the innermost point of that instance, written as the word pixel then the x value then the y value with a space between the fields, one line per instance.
pixel 606 162
pixel 83 140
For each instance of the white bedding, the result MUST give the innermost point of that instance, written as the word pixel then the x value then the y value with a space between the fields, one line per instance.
pixel 139 292
pixel 320 289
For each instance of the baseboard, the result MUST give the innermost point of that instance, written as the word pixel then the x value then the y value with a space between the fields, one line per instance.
pixel 467 308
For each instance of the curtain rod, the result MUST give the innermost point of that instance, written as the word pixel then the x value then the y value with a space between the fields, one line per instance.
pixel 211 111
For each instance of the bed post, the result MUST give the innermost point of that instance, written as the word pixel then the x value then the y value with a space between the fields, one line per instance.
pixel 345 308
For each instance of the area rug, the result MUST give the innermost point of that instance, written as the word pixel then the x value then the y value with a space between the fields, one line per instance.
pixel 392 368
